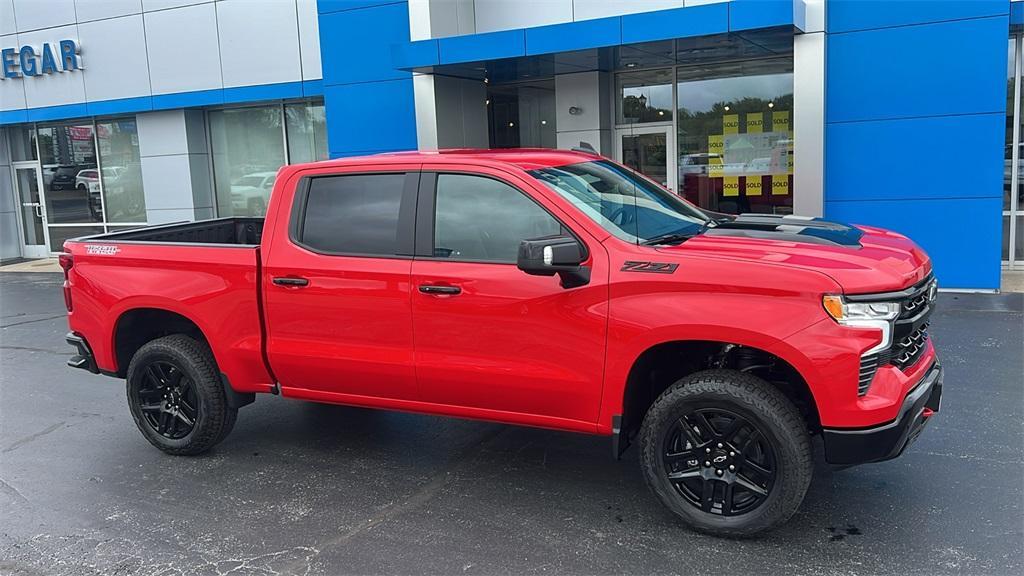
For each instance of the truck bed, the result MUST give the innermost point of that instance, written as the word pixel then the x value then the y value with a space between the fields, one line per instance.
pixel 219 231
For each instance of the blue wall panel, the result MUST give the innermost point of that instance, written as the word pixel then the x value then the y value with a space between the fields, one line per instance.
pixel 915 127
pixel 486 46
pixel 934 157
pixel 675 23
pixel 355 45
pixel 368 101
pixel 366 116
pixel 932 69
pixel 580 35
pixel 847 15
pixel 962 236
pixel 751 14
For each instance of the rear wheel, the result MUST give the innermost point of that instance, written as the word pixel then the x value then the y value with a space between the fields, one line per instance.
pixel 727 452
pixel 176 397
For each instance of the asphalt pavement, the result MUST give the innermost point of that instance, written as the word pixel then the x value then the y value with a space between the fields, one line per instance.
pixel 302 488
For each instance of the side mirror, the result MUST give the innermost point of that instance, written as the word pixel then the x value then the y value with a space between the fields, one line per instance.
pixel 562 255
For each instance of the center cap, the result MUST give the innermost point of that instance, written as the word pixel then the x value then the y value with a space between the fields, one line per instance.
pixel 720 459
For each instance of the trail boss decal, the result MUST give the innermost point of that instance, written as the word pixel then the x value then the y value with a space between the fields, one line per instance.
pixel 652 267
pixel 102 249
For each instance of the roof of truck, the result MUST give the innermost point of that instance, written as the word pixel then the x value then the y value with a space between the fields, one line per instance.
pixel 524 158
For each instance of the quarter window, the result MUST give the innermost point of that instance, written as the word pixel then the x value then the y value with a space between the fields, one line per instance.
pixel 356 214
pixel 483 219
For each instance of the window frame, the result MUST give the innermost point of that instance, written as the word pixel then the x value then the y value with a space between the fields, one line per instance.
pixel 426 215
pixel 404 240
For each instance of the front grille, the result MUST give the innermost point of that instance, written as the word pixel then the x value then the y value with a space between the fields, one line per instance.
pixel 905 352
pixel 909 335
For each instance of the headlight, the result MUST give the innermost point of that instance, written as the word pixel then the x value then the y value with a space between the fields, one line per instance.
pixel 877 315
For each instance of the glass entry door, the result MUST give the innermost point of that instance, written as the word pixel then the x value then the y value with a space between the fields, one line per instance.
pixel 650 151
pixel 32 211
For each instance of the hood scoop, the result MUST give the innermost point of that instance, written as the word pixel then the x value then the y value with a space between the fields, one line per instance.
pixel 788 228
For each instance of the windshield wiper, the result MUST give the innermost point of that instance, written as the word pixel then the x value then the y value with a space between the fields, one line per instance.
pixel 678 237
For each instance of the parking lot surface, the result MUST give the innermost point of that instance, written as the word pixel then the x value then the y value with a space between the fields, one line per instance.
pixel 303 488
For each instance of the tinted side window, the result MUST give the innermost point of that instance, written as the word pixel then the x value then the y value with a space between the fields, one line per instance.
pixel 483 219
pixel 355 214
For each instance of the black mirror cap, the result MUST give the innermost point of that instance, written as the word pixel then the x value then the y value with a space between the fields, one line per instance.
pixel 565 255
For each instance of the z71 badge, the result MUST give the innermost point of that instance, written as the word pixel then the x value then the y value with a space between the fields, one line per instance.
pixel 102 249
pixel 652 267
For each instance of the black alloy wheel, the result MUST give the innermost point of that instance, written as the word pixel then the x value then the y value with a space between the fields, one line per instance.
pixel 168 400
pixel 719 462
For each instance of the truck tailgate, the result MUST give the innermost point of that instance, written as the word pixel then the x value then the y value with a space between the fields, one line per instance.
pixel 216 287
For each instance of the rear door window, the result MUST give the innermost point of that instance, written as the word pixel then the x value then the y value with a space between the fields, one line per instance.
pixel 353 214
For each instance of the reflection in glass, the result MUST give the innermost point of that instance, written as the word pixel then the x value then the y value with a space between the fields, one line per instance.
pixel 121 172
pixel 522 115
pixel 1008 149
pixel 68 155
pixel 307 132
pixel 735 136
pixel 248 148
pixel 647 154
pixel 23 143
pixel 644 96
pixel 58 234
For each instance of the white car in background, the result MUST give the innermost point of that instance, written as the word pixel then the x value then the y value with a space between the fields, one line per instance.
pixel 249 193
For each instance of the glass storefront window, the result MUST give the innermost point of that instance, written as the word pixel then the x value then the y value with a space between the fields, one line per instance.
pixel 735 138
pixel 307 132
pixel 644 96
pixel 1008 160
pixel 248 148
pixel 121 170
pixel 70 180
pixel 522 115
pixel 23 143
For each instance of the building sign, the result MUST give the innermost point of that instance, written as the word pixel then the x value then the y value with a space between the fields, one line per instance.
pixel 63 56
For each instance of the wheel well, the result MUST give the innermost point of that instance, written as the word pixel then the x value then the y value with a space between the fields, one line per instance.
pixel 137 327
pixel 661 366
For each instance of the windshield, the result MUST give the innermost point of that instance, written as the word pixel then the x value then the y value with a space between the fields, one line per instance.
pixel 623 202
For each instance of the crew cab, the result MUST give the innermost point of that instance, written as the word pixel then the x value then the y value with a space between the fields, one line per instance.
pixel 535 287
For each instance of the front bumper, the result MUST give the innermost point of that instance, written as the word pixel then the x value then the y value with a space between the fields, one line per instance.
pixel 846 446
pixel 84 359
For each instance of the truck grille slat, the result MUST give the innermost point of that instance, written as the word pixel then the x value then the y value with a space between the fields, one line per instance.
pixel 910 336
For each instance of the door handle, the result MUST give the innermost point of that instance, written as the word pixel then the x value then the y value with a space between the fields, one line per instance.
pixel 440 290
pixel 291 281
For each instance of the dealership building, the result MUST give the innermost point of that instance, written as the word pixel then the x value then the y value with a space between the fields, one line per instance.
pixel 900 114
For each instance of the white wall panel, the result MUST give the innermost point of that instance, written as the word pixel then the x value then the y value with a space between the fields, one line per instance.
pixel 7 18
pixel 589 9
pixel 150 5
pixel 58 88
pixel 494 15
pixel 309 40
pixel 36 14
pixel 98 9
pixel 183 49
pixel 259 44
pixel 116 50
pixel 12 92
pixel 162 133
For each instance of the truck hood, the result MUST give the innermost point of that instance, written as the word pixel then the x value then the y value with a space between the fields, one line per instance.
pixel 861 259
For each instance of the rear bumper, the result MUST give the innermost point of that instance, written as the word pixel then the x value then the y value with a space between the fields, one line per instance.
pixel 846 446
pixel 84 359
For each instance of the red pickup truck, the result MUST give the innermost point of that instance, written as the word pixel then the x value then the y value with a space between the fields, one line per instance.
pixel 535 287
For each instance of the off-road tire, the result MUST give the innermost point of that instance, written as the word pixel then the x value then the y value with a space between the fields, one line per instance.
pixel 764 406
pixel 214 419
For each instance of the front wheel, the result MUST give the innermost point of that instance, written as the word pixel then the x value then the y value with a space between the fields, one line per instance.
pixel 176 397
pixel 727 452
